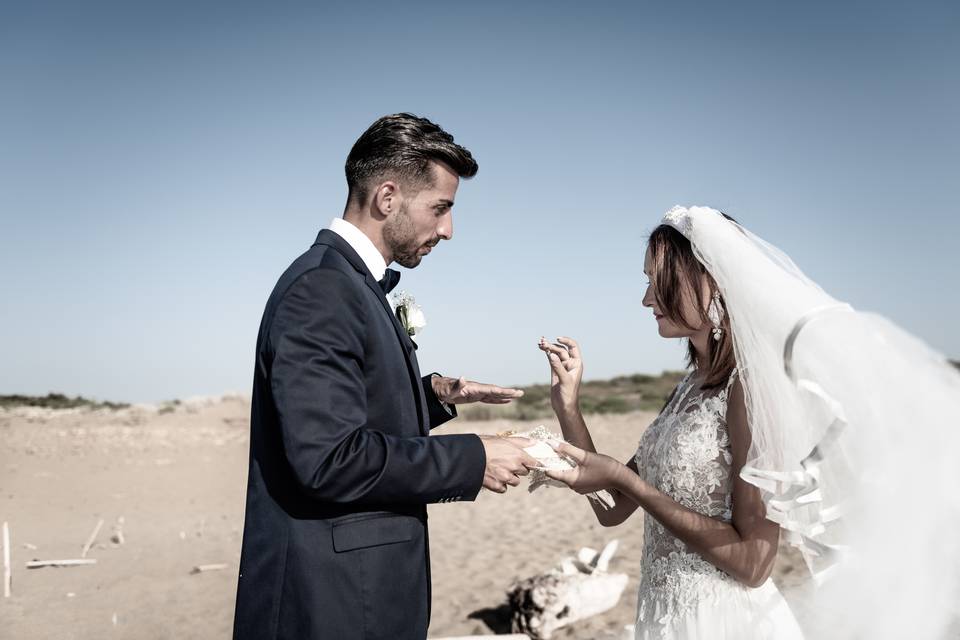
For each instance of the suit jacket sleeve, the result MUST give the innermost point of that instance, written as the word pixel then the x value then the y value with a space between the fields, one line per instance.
pixel 316 338
pixel 438 411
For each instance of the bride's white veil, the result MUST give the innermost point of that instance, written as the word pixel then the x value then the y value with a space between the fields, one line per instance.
pixel 855 428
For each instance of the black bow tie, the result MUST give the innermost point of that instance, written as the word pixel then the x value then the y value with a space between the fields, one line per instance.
pixel 389 280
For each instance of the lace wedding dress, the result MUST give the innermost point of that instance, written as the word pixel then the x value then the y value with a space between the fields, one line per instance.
pixel 686 454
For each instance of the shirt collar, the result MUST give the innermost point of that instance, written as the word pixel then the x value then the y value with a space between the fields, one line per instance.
pixel 363 245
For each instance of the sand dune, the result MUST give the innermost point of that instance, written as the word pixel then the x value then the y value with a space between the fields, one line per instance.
pixel 177 476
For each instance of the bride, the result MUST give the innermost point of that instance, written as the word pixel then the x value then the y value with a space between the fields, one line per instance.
pixel 788 421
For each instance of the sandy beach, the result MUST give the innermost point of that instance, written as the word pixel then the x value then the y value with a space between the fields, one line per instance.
pixel 172 481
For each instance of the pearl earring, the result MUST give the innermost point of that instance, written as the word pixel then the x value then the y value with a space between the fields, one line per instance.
pixel 715 313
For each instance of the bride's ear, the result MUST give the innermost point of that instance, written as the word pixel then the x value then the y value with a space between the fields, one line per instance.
pixel 707 287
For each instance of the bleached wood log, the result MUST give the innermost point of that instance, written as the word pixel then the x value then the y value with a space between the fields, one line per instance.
pixel 602 561
pixel 7 574
pixel 36 564
pixel 91 539
pixel 545 603
pixel 579 589
pixel 512 636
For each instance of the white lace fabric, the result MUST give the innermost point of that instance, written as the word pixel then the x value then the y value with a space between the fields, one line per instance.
pixel 685 453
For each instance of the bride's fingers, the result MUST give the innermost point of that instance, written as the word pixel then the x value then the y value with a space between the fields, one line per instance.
pixel 562 356
pixel 557 366
pixel 559 350
pixel 542 346
pixel 577 454
pixel 546 347
pixel 566 477
pixel 570 360
pixel 570 344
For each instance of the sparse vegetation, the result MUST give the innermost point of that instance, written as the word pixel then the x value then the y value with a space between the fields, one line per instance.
pixel 169 406
pixel 637 392
pixel 57 401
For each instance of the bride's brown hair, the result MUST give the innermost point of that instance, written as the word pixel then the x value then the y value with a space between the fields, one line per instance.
pixel 677 276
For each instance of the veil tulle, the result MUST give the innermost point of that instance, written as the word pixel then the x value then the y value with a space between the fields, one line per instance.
pixel 855 428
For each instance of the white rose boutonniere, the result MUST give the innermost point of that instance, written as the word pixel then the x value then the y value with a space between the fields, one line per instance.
pixel 409 313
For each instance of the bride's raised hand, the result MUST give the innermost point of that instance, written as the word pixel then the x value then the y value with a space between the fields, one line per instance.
pixel 566 371
pixel 594 471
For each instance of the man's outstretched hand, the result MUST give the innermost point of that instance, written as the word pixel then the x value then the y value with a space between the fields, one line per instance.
pixel 463 391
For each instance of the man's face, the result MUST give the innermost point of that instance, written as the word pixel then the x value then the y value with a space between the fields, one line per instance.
pixel 423 219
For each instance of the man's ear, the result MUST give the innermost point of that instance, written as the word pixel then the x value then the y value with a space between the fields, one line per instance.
pixel 386 199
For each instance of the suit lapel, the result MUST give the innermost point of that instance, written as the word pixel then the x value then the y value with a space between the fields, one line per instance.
pixel 333 240
pixel 408 346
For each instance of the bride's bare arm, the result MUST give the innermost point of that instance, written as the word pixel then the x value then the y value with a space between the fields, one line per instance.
pixel 566 371
pixel 575 432
pixel 745 548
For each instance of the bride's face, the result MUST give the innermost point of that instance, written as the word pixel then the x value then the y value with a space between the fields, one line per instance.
pixel 689 308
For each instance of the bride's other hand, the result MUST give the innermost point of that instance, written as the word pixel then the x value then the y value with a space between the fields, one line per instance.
pixel 566 371
pixel 594 471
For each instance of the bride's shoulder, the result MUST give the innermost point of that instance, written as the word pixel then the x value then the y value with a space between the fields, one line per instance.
pixel 673 394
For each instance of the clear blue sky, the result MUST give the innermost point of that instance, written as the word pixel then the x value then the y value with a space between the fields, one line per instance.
pixel 162 163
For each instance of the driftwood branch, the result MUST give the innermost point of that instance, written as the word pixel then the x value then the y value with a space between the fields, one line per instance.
pixel 91 539
pixel 200 568
pixel 36 564
pixel 6 561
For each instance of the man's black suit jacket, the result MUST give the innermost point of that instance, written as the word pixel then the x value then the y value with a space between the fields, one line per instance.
pixel 341 462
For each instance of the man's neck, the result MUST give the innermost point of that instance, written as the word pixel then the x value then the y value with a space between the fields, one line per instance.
pixel 371 229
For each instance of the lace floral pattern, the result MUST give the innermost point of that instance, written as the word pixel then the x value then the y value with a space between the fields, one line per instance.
pixel 686 454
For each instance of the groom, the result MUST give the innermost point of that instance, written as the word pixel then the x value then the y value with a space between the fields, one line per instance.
pixel 342 465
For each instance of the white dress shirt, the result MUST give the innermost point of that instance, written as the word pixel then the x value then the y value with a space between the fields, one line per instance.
pixel 363 245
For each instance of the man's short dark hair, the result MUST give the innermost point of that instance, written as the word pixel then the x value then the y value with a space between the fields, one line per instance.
pixel 400 147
